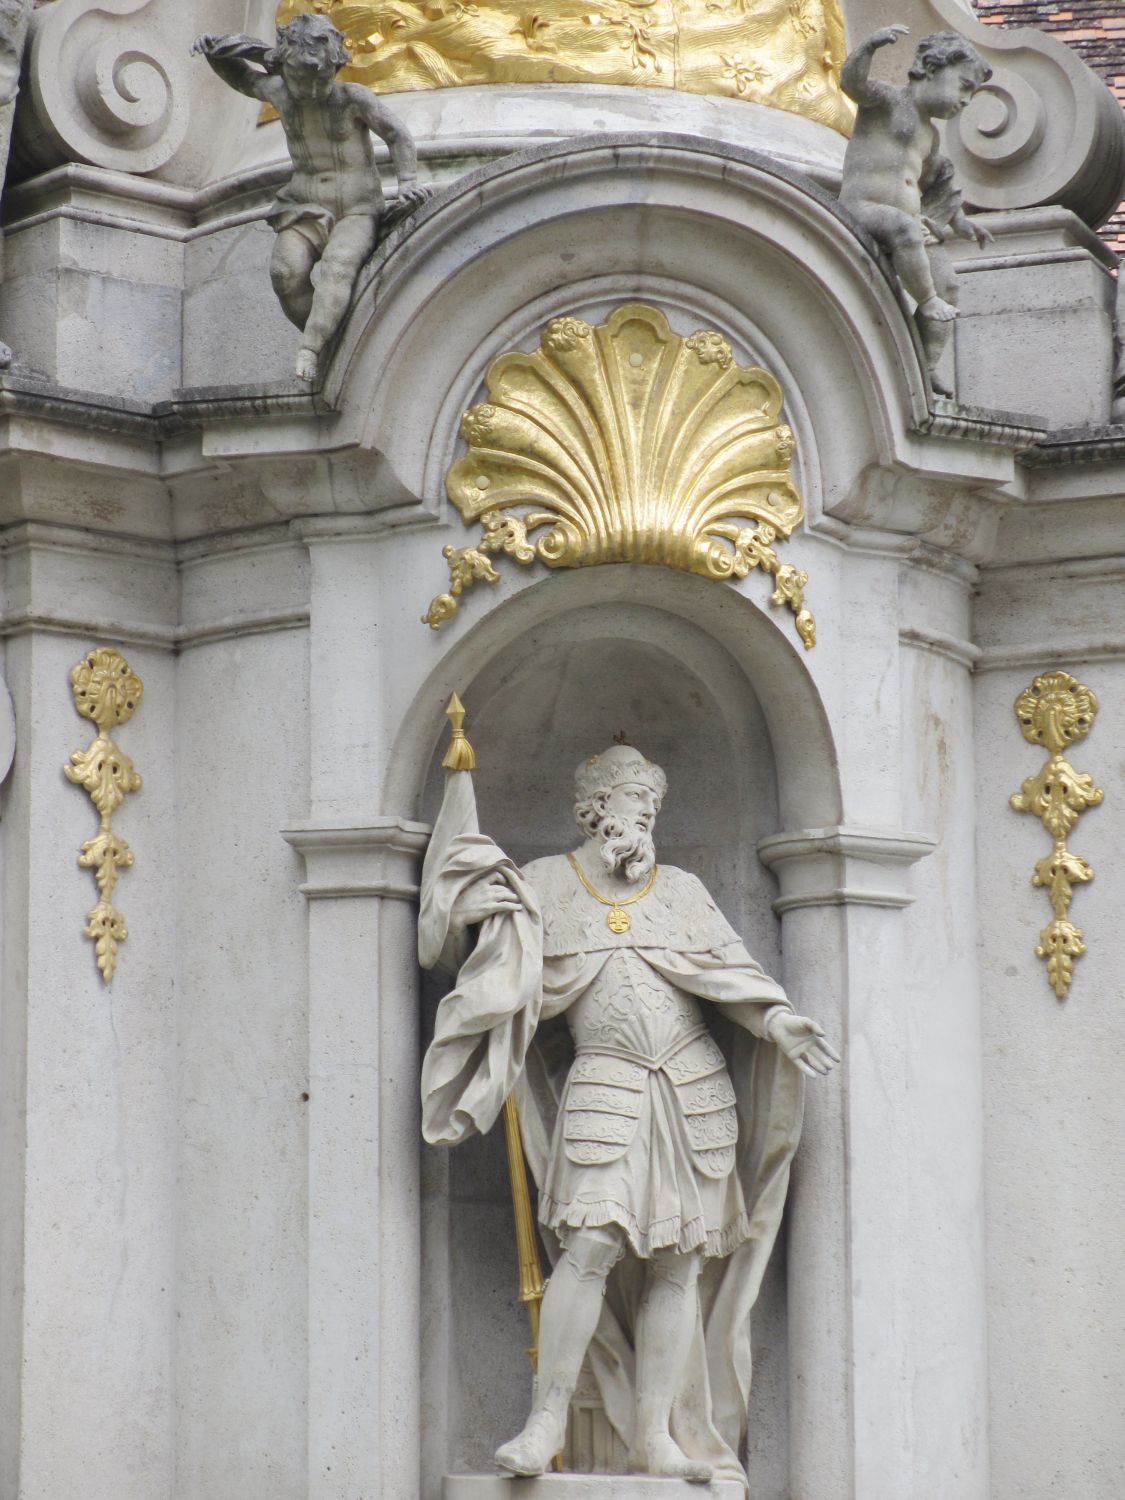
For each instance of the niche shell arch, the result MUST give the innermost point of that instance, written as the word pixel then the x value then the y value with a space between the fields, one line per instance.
pixel 485 266
pixel 696 622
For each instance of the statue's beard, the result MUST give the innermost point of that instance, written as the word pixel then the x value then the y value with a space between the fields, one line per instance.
pixel 626 848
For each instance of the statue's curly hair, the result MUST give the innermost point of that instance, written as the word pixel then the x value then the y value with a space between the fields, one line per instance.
pixel 291 38
pixel 942 50
pixel 595 778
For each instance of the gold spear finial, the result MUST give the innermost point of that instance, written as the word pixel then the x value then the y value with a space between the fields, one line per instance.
pixel 460 755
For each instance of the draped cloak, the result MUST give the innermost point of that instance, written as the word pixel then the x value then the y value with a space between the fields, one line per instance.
pixel 494 1036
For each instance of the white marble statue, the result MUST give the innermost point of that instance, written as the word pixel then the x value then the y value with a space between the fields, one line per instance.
pixel 660 1143
pixel 331 210
pixel 897 182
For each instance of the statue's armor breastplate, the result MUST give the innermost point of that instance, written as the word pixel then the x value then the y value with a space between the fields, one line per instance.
pixel 630 1025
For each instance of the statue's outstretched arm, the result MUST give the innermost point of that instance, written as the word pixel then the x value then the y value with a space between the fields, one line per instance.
pixel 233 59
pixel 854 79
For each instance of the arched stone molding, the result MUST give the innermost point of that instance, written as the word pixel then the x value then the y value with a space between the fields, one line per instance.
pixel 701 623
pixel 480 270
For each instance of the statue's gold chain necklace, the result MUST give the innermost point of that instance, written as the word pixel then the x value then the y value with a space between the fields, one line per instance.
pixel 617 920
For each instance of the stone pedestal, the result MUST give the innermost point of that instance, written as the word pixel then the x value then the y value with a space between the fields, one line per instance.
pixel 585 1487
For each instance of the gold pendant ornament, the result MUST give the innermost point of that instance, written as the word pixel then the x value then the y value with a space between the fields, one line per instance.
pixel 617 920
pixel 106 690
pixel 1053 712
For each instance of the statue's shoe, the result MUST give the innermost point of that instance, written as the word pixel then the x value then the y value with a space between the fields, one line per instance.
pixel 660 1455
pixel 532 1451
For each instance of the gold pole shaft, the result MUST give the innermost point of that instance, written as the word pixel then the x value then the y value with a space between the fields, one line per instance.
pixel 532 1285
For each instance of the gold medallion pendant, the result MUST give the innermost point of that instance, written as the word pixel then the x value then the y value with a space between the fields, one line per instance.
pixel 617 920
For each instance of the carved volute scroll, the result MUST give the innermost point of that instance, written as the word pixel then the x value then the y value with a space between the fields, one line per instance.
pixel 108 86
pixel 628 443
pixel 1043 130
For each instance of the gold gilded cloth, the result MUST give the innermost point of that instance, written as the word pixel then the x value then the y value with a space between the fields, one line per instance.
pixel 782 53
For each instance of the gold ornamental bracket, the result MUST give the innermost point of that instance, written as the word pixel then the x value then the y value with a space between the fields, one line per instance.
pixel 106 690
pixel 629 444
pixel 1053 712
pixel 786 54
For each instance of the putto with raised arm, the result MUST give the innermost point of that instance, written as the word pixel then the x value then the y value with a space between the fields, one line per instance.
pixel 332 209
pixel 899 184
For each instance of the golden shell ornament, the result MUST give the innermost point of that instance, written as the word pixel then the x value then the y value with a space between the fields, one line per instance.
pixel 629 444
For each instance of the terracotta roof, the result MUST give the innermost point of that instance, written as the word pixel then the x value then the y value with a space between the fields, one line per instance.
pixel 1096 31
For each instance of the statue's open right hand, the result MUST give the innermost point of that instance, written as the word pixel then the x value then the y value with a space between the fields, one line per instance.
pixel 803 1043
pixel 206 43
pixel 488 897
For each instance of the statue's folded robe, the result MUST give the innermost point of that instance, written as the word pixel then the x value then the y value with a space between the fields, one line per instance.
pixel 485 1047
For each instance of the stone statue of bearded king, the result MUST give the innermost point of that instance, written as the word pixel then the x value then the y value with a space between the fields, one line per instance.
pixel 661 1144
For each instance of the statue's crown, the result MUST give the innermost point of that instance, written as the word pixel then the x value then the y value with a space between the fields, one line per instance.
pixel 620 765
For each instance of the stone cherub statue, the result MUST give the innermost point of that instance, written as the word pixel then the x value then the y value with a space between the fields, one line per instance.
pixel 898 184
pixel 660 1139
pixel 332 209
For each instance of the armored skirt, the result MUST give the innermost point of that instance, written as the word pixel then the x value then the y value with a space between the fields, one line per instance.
pixel 646 1136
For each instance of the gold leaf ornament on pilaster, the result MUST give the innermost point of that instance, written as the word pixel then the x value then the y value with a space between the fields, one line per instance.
pixel 627 443
pixel 1053 712
pixel 106 690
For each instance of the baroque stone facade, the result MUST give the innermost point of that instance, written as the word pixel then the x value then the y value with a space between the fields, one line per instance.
pixel 227 1260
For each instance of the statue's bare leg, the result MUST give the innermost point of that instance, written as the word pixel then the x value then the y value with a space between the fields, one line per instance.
pixel 572 1305
pixel 935 333
pixel 903 239
pixel 291 267
pixel 349 245
pixel 665 1328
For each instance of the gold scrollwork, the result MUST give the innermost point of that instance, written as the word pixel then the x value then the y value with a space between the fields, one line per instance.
pixel 1053 712
pixel 640 446
pixel 106 690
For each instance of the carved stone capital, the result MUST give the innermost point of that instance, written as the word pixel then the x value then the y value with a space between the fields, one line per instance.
pixel 843 866
pixel 382 858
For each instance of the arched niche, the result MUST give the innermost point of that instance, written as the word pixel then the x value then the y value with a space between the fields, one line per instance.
pixel 709 627
pixel 689 673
